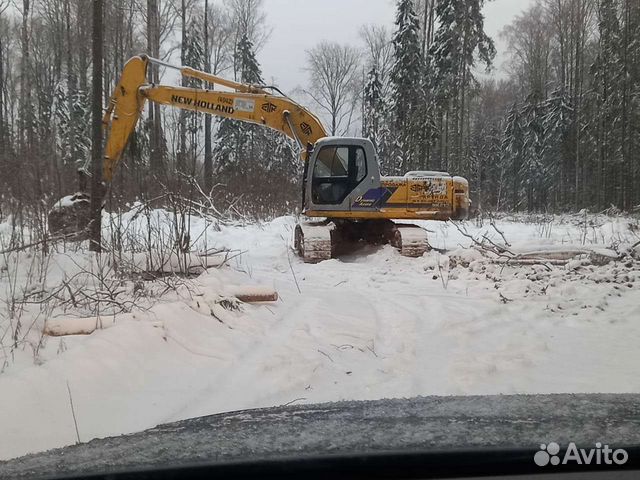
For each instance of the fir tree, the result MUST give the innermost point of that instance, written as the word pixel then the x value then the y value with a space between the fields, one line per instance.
pixel 375 120
pixel 533 171
pixel 236 140
pixel 373 107
pixel 248 66
pixel 608 73
pixel 460 37
pixel 249 156
pixel 556 126
pixel 513 152
pixel 73 120
pixel 190 121
pixel 407 89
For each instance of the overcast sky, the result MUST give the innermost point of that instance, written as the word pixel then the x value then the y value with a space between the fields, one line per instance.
pixel 298 25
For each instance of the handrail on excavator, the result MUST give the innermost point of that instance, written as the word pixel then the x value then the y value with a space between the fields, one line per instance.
pixel 208 77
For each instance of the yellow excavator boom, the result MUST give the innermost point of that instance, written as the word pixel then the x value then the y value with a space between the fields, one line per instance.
pixel 246 103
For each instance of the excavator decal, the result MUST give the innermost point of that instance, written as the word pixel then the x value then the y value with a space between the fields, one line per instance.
pixel 306 128
pixel 269 107
pixel 375 197
pixel 214 107
pixel 244 105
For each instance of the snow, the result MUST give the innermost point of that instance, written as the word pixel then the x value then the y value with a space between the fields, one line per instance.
pixel 368 325
pixel 69 201
pixel 57 327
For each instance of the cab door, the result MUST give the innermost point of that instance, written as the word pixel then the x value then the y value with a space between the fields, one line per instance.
pixel 332 178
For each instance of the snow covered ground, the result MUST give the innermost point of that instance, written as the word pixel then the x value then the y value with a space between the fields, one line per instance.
pixel 368 325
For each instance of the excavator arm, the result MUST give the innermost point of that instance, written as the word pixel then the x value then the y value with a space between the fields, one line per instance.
pixel 247 103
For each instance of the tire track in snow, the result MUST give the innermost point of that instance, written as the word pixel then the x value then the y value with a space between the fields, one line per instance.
pixel 238 385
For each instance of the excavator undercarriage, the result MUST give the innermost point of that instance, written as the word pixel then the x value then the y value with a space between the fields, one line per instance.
pixel 322 240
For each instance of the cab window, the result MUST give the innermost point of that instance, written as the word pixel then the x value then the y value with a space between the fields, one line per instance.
pixel 361 165
pixel 332 162
pixel 336 172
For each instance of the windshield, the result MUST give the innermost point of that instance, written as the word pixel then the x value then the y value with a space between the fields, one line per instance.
pixel 466 235
pixel 332 162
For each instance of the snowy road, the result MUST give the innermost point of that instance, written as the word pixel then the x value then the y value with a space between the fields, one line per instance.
pixel 366 326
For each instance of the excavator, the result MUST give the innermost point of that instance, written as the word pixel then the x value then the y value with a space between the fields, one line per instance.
pixel 344 195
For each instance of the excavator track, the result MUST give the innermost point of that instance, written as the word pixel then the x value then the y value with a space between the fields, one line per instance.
pixel 410 240
pixel 318 241
pixel 315 242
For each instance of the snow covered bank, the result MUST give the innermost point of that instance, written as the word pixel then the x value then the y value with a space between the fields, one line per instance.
pixel 368 325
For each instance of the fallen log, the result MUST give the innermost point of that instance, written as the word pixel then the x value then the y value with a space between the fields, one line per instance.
pixel 158 262
pixel 60 327
pixel 252 293
pixel 562 256
pixel 531 261
pixel 555 255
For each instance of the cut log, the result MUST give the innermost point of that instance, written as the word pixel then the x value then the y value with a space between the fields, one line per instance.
pixel 252 293
pixel 531 261
pixel 559 256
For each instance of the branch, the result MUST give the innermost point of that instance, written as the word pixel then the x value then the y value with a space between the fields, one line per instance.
pixel 493 224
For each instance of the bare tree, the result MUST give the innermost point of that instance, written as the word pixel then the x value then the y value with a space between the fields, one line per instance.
pixel 208 154
pixel 167 13
pixel 3 6
pixel 247 18
pixel 529 39
pixel 573 24
pixel 181 159
pixel 426 12
pixel 335 82
pixel 155 120
pixel 217 36
pixel 25 84
pixel 377 40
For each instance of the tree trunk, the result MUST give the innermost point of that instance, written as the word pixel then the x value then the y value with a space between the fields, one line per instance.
pixel 2 103
pixel 182 127
pixel 25 84
pixel 96 131
pixel 156 160
pixel 208 154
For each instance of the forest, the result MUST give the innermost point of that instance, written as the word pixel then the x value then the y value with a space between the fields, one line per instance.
pixel 555 129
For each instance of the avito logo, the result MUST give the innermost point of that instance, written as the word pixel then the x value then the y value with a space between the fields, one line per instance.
pixel 550 454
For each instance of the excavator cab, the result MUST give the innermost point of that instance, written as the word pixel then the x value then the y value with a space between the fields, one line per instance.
pixel 343 192
pixel 340 171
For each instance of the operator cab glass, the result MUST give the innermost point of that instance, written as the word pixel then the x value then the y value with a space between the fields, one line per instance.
pixel 336 172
